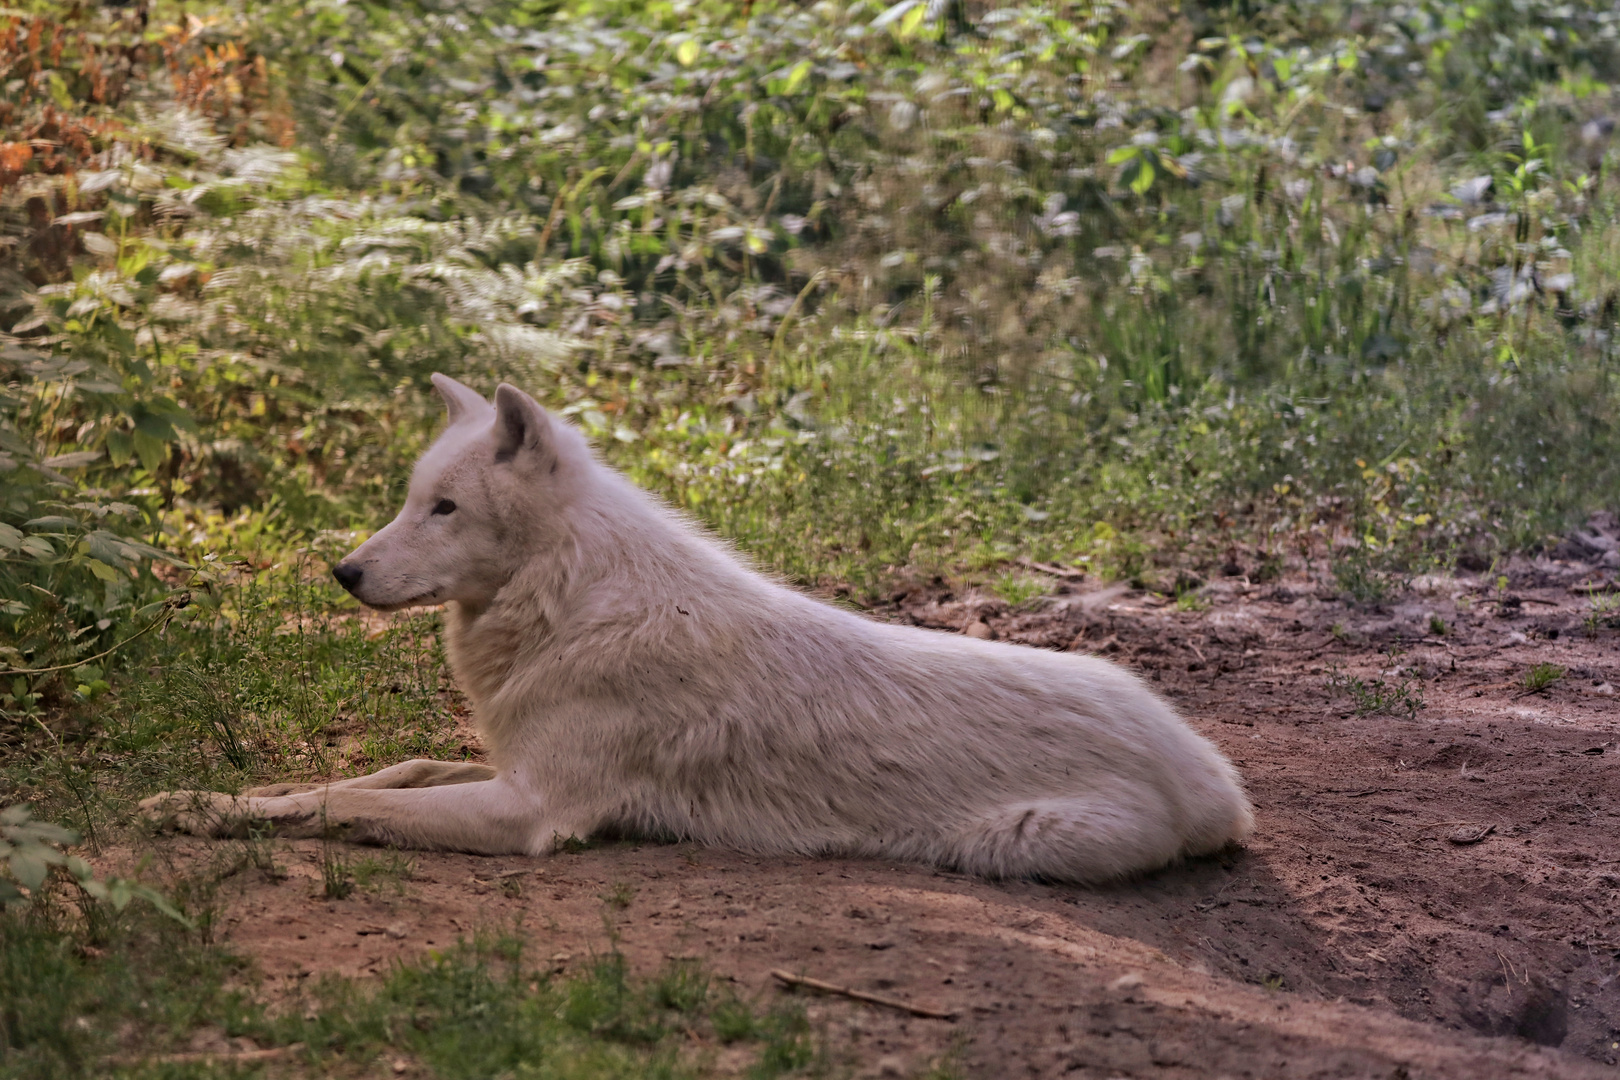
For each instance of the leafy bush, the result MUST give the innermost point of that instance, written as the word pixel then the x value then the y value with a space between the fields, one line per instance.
pixel 32 849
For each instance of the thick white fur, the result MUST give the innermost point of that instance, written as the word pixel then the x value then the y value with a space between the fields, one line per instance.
pixel 629 673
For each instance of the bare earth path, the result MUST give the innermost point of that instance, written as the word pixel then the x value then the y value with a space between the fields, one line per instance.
pixel 1428 894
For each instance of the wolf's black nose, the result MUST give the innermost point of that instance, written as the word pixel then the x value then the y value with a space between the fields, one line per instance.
pixel 347 576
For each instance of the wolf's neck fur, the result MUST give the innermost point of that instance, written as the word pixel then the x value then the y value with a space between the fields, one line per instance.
pixel 598 566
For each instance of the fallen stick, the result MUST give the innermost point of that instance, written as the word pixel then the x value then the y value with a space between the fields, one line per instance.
pixel 206 1057
pixel 860 995
pixel 1052 569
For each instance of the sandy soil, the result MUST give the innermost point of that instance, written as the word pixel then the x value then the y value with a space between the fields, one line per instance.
pixel 1430 892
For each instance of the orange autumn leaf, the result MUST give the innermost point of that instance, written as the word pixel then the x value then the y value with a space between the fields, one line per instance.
pixel 14 155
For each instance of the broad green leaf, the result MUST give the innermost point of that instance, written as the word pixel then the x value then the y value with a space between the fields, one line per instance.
pixel 797 77
pixel 99 244
pixel 101 570
pixel 29 867
pixel 11 537
pixel 121 340
pixel 1122 153
pixel 151 451
pixel 895 13
pixel 120 447
pixel 912 21
pixel 155 425
pixel 687 52
pixel 74 460
pixel 39 547
pixel 161 902
pixel 1144 178
pixel 109 548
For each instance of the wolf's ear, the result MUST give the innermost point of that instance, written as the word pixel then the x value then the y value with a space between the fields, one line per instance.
pixel 521 425
pixel 459 401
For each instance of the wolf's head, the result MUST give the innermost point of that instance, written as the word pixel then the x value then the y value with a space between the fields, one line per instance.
pixel 485 494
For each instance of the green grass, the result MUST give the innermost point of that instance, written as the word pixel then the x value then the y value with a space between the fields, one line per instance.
pixel 389 871
pixel 474 1010
pixel 1019 589
pixel 1123 288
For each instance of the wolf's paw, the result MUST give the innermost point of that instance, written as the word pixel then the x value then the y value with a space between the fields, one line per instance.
pixel 199 813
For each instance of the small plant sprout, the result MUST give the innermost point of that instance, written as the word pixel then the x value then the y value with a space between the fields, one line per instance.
pixel 337 879
pixel 1359 579
pixel 619 896
pixel 1437 626
pixel 1191 600
pixel 1541 677
pixel 1389 697
pixel 1603 609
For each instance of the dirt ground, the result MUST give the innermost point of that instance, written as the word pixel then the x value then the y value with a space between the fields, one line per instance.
pixel 1431 892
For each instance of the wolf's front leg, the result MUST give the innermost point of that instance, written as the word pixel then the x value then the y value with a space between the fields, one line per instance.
pixel 416 773
pixel 495 817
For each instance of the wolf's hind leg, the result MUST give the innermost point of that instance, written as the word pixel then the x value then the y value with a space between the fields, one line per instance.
pixel 1073 838
pixel 417 773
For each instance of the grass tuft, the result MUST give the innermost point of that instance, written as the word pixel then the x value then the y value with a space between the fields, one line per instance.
pixel 1369 697
pixel 1542 676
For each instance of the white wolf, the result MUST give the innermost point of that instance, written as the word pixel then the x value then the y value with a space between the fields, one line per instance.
pixel 629 673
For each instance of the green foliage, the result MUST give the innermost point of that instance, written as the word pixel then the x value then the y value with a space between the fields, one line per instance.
pixel 857 292
pixel 31 850
pixel 68 999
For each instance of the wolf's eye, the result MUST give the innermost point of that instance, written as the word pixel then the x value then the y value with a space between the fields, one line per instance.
pixel 444 506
